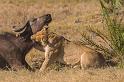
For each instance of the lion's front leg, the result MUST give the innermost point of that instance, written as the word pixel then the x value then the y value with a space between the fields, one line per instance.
pixel 45 65
pixel 48 59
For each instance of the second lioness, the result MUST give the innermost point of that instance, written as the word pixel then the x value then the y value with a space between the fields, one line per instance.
pixel 57 48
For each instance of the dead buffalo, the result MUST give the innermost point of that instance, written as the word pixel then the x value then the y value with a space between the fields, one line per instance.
pixel 13 49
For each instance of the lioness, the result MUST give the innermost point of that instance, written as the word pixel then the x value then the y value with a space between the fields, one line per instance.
pixel 59 49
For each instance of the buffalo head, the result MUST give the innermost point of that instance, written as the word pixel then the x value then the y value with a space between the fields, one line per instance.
pixel 32 26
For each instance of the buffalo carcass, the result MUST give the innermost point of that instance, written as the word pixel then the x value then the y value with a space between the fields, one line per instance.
pixel 13 49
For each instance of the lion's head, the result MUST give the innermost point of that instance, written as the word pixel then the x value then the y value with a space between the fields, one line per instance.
pixel 41 36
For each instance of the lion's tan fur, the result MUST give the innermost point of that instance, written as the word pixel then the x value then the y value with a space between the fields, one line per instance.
pixel 64 51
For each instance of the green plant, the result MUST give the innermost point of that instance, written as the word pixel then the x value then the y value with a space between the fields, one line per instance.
pixel 114 37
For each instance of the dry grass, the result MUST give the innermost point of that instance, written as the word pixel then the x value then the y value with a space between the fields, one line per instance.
pixel 70 17
pixel 71 75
